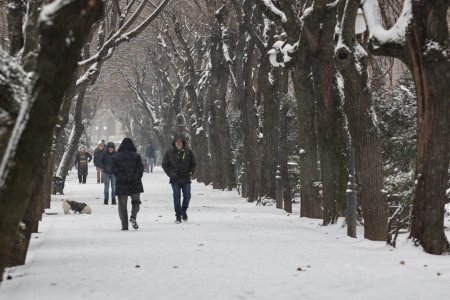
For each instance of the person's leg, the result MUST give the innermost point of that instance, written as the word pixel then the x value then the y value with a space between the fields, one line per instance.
pixel 113 189
pixel 150 164
pixel 176 200
pixel 84 177
pixel 135 205
pixel 80 178
pixel 186 188
pixel 99 171
pixel 106 190
pixel 123 212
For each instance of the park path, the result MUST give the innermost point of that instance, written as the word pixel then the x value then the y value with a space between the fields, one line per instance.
pixel 229 249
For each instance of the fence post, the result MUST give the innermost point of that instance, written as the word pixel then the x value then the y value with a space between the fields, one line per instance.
pixel 279 188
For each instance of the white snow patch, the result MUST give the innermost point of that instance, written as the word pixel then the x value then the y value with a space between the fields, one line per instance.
pixel 276 11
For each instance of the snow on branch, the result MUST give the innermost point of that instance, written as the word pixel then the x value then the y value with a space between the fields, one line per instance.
pixel 377 33
pixel 121 36
pixel 282 53
pixel 274 10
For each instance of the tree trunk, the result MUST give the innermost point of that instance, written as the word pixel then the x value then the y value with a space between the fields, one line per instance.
pixel 75 135
pixel 16 13
pixel 309 175
pixel 33 213
pixel 56 63
pixel 283 156
pixel 431 69
pixel 351 60
pixel 321 23
pixel 31 35
pixel 269 85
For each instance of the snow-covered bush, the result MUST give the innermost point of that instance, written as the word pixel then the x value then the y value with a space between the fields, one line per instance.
pixel 396 110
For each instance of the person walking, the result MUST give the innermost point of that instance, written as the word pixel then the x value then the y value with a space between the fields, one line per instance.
pixel 128 169
pixel 179 164
pixel 81 163
pixel 150 156
pixel 97 155
pixel 108 174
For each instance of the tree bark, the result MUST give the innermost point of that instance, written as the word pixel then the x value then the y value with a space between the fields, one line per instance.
pixel 16 13
pixel 311 206
pixel 431 69
pixel 351 60
pixel 220 139
pixel 269 86
pixel 56 63
pixel 425 50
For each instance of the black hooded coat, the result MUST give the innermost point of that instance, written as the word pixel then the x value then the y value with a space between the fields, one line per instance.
pixel 128 169
pixel 179 165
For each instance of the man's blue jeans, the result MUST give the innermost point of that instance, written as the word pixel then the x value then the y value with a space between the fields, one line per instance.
pixel 177 189
pixel 109 178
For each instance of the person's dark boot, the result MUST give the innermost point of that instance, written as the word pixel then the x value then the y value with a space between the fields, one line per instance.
pixel 133 222
pixel 105 202
pixel 185 217
pixel 114 201
pixel 178 220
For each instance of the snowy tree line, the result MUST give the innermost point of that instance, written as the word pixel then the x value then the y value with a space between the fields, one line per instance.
pixel 257 85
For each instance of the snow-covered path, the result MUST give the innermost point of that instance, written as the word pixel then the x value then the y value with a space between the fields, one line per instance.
pixel 229 249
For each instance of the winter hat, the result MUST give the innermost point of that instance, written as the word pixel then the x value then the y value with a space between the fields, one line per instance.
pixel 179 136
pixel 111 144
pixel 82 147
pixel 127 145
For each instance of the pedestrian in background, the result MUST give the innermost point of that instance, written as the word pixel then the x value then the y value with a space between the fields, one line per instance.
pixel 108 174
pixel 179 164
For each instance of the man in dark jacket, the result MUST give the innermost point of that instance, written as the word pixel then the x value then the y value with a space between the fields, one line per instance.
pixel 128 168
pixel 108 174
pixel 97 155
pixel 179 164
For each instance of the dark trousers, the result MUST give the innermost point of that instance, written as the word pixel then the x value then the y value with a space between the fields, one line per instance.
pixel 177 189
pixel 123 212
pixel 82 178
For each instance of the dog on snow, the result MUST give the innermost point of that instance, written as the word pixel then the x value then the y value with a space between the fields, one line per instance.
pixel 76 207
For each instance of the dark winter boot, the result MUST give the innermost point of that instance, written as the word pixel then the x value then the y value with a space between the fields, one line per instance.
pixel 114 201
pixel 133 222
pixel 178 220
pixel 185 217
pixel 105 202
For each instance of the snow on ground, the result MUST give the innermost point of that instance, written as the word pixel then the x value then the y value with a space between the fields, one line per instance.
pixel 229 249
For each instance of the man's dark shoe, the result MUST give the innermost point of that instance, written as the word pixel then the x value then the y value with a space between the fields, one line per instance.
pixel 124 229
pixel 105 202
pixel 134 223
pixel 114 201
pixel 178 220
pixel 185 217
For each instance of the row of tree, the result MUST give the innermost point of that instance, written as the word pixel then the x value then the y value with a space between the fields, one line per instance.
pixel 204 67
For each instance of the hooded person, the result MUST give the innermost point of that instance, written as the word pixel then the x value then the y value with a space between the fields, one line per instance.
pixel 128 169
pixel 179 164
pixel 81 163
pixel 97 155
pixel 109 178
